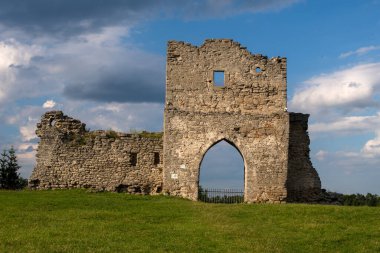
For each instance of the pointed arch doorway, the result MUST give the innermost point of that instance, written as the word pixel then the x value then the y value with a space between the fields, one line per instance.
pixel 221 174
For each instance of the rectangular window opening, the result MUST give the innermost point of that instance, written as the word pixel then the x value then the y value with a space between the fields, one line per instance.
pixel 218 78
pixel 156 158
pixel 133 158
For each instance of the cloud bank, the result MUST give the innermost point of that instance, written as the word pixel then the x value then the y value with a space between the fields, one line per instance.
pixel 70 18
pixel 80 49
pixel 348 89
pixel 360 51
pixel 344 104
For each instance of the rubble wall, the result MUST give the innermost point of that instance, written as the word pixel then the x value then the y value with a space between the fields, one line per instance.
pixel 68 156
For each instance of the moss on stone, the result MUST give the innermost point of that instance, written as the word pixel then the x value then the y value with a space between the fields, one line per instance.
pixel 112 134
pixel 155 135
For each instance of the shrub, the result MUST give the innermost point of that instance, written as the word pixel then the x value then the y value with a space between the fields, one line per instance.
pixel 112 134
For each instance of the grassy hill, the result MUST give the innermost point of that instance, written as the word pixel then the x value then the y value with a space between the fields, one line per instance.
pixel 79 221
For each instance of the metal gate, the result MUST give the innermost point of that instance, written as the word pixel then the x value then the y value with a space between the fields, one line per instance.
pixel 227 196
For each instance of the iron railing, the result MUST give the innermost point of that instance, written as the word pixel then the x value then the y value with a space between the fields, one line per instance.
pixel 227 196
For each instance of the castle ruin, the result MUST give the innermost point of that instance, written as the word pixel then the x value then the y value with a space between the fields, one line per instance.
pixel 247 109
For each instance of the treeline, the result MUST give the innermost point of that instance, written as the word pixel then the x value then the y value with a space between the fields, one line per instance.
pixel 350 199
pixel 361 200
pixel 9 177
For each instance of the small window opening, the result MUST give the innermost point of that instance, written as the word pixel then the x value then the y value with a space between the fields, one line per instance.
pixel 219 78
pixel 258 70
pixel 52 122
pixel 156 158
pixel 133 159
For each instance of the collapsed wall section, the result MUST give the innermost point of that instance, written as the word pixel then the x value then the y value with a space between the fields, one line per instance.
pixel 303 183
pixel 69 156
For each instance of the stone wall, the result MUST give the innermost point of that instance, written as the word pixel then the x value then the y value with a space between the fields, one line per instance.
pixel 248 111
pixel 303 182
pixel 68 156
pixel 254 84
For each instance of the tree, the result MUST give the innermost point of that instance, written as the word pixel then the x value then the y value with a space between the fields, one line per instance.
pixel 371 199
pixel 9 176
pixel 3 168
pixel 13 167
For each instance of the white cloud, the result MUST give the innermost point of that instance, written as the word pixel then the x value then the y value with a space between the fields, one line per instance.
pixel 27 155
pixel 321 155
pixel 347 125
pixel 14 56
pixel 66 18
pixel 15 53
pixel 344 103
pixel 118 116
pixel 27 161
pixel 27 146
pixel 49 104
pixel 346 89
pixel 336 100
pixel 372 148
pixel 28 132
pixel 25 118
pixel 349 172
pixel 83 59
pixel 360 51
pixel 96 66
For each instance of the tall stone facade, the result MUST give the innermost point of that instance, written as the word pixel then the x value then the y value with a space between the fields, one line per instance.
pixel 247 108
pixel 68 156
pixel 248 111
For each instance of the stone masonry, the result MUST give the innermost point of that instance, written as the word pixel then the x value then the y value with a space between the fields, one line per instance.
pixel 248 111
pixel 68 156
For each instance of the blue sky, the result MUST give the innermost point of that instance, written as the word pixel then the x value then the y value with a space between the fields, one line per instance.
pixel 104 63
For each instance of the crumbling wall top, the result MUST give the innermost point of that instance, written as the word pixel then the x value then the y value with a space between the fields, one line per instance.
pixel 60 122
pixel 251 83
pixel 219 43
pixel 57 124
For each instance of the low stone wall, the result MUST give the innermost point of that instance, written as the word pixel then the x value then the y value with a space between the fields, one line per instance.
pixel 68 156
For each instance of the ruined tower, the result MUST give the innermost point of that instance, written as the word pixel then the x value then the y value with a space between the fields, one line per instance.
pixel 248 110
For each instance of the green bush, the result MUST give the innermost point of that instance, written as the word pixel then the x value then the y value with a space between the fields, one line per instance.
pixel 112 134
pixel 146 134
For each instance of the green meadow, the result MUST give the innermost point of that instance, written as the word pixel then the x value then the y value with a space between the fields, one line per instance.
pixel 80 221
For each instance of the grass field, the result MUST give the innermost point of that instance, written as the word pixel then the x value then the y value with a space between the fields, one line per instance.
pixel 79 221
